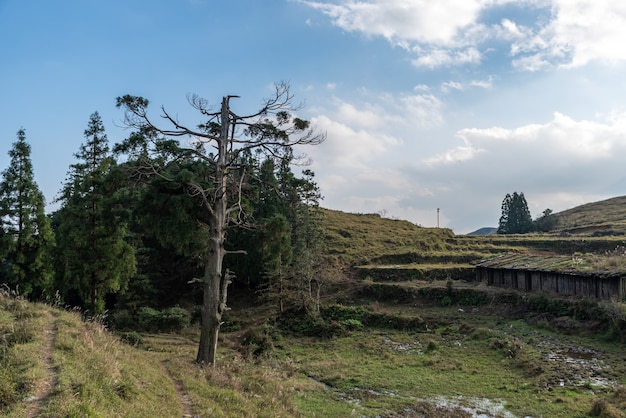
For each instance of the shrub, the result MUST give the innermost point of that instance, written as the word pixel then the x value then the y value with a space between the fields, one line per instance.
pixel 133 338
pixel 147 319
pixel 431 346
pixel 602 408
pixel 351 324
pixel 509 346
pixel 173 319
pixel 616 313
pixel 301 323
pixel 122 320
pixel 150 320
pixel 258 341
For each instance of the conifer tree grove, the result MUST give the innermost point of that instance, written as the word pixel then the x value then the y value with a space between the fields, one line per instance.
pixel 93 257
pixel 515 217
pixel 27 237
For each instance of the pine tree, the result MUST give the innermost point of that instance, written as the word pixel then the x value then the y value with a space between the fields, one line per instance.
pixel 504 218
pixel 515 217
pixel 275 242
pixel 27 236
pixel 94 258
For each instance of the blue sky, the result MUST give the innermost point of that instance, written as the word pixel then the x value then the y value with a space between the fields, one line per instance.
pixel 445 104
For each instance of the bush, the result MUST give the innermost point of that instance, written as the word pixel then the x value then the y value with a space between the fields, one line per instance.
pixel 352 324
pixel 122 320
pixel 616 313
pixel 602 408
pixel 173 319
pixel 133 338
pixel 258 341
pixel 147 319
pixel 301 323
pixel 150 320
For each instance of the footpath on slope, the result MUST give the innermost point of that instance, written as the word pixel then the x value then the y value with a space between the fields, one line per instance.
pixel 49 382
pixel 185 402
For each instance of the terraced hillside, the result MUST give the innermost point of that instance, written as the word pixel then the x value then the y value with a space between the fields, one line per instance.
pixel 367 248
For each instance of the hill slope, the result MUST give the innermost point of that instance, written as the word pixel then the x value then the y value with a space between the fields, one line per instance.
pixel 606 217
pixel 53 364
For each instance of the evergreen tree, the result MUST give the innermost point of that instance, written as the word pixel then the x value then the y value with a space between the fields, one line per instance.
pixel 546 222
pixel 306 223
pixel 515 217
pixel 27 237
pixel 275 242
pixel 504 218
pixel 94 259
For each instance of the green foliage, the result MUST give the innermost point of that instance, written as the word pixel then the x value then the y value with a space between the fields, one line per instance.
pixel 450 296
pixel 93 257
pixel 546 222
pixel 173 319
pixel 557 307
pixel 26 237
pixel 335 320
pixel 133 338
pixel 515 217
pixel 615 312
pixel 259 341
pixel 275 242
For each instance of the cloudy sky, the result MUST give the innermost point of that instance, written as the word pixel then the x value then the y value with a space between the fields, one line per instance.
pixel 445 104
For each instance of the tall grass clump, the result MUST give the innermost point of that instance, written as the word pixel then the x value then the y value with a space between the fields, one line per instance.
pixel 21 346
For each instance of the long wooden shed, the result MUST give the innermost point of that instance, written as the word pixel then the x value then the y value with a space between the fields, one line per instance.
pixel 540 273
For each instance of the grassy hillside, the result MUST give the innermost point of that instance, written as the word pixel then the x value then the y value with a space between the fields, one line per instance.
pixel 54 364
pixel 369 246
pixel 602 218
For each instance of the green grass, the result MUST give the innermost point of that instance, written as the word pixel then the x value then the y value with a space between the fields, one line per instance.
pixel 100 376
pixel 474 360
pixel 606 216
pixel 380 372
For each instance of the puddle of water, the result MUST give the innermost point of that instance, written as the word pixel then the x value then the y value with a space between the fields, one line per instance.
pixel 476 407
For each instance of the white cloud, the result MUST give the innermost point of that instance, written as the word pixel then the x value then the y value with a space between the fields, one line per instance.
pixel 421 87
pixel 561 138
pixel 401 20
pixel 446 57
pixel 566 33
pixel 579 32
pixel 347 148
pixel 455 85
pixel 355 165
pixel 461 153
pixel 422 110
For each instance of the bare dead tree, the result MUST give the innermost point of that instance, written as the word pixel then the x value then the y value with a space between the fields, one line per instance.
pixel 219 142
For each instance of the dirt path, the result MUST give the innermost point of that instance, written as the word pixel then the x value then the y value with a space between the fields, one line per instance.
pixel 49 382
pixel 185 402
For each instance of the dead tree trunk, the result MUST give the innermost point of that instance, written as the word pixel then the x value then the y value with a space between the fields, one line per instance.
pixel 215 281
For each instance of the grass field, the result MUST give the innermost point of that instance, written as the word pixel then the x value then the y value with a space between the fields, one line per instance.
pixel 454 362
